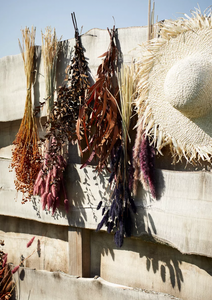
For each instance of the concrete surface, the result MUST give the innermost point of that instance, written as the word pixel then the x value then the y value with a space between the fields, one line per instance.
pixel 33 285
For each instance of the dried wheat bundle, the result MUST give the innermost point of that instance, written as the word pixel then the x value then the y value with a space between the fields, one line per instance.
pixel 174 88
pixel 25 154
pixel 50 49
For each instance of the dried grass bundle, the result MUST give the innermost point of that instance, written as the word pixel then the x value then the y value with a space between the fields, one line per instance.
pixel 50 49
pixel 127 88
pixel 25 154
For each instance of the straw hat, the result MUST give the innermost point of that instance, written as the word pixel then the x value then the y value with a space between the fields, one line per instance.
pixel 174 101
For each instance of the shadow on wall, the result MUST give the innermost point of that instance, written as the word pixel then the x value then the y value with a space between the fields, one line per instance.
pixel 136 255
pixel 84 192
pixel 145 253
pixel 8 132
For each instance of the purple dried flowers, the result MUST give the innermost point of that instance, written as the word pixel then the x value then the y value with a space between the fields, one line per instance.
pixel 146 158
pixel 118 217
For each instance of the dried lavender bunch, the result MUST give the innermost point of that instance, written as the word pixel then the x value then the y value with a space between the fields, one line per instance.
pixel 118 216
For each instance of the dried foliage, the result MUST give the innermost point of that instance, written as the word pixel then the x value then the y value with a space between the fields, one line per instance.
pixel 118 216
pixel 6 283
pixel 71 95
pixel 25 154
pixel 61 129
pixel 50 49
pixel 99 119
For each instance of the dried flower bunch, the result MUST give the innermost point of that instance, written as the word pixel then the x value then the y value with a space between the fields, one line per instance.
pixel 71 95
pixel 50 49
pixel 50 181
pixel 144 163
pixel 61 127
pixel 99 120
pixel 25 154
pixel 118 216
pixel 7 285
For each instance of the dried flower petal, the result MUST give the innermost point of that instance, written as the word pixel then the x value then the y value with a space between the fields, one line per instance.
pixel 30 242
pixel 15 269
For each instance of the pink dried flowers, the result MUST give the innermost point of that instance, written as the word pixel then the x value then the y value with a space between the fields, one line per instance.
pixel 50 181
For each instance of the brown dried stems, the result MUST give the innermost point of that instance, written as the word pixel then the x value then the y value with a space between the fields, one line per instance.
pixel 25 155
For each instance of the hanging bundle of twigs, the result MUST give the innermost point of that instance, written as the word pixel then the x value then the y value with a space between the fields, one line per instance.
pixel 71 95
pixel 25 154
pixel 99 119
pixel 118 216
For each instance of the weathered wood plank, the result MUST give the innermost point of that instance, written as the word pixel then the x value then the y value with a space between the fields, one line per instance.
pixel 79 252
pixel 181 217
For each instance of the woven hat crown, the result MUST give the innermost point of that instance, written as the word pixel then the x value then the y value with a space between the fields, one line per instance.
pixel 188 86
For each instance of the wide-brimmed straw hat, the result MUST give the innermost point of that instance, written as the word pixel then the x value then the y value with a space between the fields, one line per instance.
pixel 174 93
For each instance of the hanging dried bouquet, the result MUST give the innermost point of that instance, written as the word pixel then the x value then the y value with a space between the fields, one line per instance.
pixel 99 122
pixel 25 154
pixel 50 177
pixel 117 215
